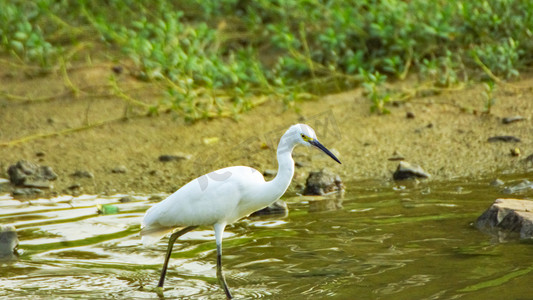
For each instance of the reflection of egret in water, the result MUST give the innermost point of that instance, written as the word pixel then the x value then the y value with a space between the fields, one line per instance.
pixel 8 243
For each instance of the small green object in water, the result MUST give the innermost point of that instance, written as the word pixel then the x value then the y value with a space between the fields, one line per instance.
pixel 107 209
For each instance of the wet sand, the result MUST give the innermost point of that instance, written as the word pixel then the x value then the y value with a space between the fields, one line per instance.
pixel 448 136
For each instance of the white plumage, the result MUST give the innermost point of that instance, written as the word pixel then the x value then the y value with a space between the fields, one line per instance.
pixel 225 195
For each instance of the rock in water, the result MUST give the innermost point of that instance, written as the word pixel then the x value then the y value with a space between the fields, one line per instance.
pixel 323 182
pixel 508 215
pixel 25 173
pixel 8 243
pixel 406 170
pixel 523 186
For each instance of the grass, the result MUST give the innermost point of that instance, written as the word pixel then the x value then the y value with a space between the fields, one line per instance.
pixel 213 58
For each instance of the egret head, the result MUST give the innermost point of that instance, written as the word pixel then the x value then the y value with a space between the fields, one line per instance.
pixel 305 135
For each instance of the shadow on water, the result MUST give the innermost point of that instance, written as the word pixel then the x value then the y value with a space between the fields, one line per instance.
pixel 383 240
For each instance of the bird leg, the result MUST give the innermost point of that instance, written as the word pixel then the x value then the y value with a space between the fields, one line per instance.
pixel 172 239
pixel 220 275
pixel 219 231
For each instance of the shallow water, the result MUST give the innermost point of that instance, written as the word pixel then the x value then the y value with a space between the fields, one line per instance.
pixel 387 241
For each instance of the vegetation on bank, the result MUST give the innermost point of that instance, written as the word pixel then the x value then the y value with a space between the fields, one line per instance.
pixel 221 58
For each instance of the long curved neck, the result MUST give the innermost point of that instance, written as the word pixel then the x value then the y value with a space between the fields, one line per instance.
pixel 275 188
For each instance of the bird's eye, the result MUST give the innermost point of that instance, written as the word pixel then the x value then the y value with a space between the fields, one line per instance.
pixel 305 137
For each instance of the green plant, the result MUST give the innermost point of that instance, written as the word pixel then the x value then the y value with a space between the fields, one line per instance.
pixel 501 58
pixel 372 83
pixel 488 94
pixel 442 71
pixel 214 57
pixel 21 35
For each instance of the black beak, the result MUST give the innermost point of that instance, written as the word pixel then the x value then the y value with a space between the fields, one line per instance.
pixel 321 147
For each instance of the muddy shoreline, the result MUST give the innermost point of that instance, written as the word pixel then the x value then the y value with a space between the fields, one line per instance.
pixel 443 133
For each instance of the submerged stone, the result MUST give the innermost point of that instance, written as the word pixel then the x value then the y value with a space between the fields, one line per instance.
pixel 518 188
pixel 506 216
pixel 8 243
pixel 323 182
pixel 497 182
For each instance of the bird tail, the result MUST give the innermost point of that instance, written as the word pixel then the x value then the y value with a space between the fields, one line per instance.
pixel 150 235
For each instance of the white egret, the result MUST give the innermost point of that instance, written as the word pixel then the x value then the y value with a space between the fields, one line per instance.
pixel 223 197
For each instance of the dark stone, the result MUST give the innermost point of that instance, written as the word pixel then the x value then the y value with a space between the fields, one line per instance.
pixel 74 186
pixel 299 164
pixel 125 199
pixel 37 183
pixel 323 182
pixel 155 198
pixel 26 192
pixel 25 173
pixel 82 174
pixel 508 216
pixel 119 169
pixel 174 157
pixel 509 120
pixel 167 157
pixel 396 156
pixel 503 138
pixel 117 69
pixel 277 208
pixel 406 170
pixel 410 115
pixel 270 173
